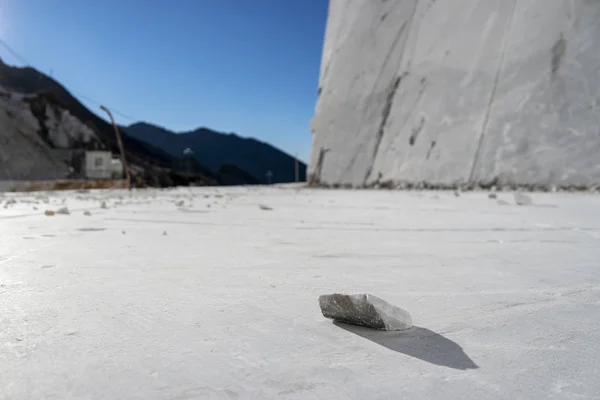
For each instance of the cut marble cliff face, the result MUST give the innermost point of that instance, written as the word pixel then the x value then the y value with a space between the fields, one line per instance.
pixel 456 92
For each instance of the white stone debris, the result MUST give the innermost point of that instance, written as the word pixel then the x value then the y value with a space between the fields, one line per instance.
pixel 63 211
pixel 366 310
pixel 522 199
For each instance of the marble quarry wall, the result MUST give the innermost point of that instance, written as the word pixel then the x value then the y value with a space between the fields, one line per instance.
pixel 459 92
pixel 35 138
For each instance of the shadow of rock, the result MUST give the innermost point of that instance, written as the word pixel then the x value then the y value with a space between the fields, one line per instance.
pixel 419 343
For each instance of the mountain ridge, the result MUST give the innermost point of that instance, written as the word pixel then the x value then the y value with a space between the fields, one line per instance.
pixel 213 148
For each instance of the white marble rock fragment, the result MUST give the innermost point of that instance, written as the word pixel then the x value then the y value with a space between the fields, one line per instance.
pixel 522 199
pixel 365 310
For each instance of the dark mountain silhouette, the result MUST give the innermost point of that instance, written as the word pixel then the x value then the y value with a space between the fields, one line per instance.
pixel 219 159
pixel 213 149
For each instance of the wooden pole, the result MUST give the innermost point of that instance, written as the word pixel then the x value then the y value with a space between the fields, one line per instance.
pixel 297 169
pixel 121 148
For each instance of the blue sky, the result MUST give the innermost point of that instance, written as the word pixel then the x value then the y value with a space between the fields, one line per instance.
pixel 244 66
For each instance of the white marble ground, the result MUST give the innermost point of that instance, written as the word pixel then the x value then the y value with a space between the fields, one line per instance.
pixel 217 298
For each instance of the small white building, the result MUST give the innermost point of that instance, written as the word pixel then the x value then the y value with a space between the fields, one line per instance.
pixel 101 165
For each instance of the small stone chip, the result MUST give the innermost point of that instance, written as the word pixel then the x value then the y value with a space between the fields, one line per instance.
pixel 365 310
pixel 63 211
pixel 522 199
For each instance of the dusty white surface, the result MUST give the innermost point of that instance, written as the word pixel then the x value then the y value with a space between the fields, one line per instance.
pixel 155 299
pixel 448 92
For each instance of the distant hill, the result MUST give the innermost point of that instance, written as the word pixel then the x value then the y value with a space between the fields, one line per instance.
pixel 213 149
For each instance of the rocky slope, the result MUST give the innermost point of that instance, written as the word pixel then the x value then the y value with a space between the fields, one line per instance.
pixel 35 138
pixel 473 92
